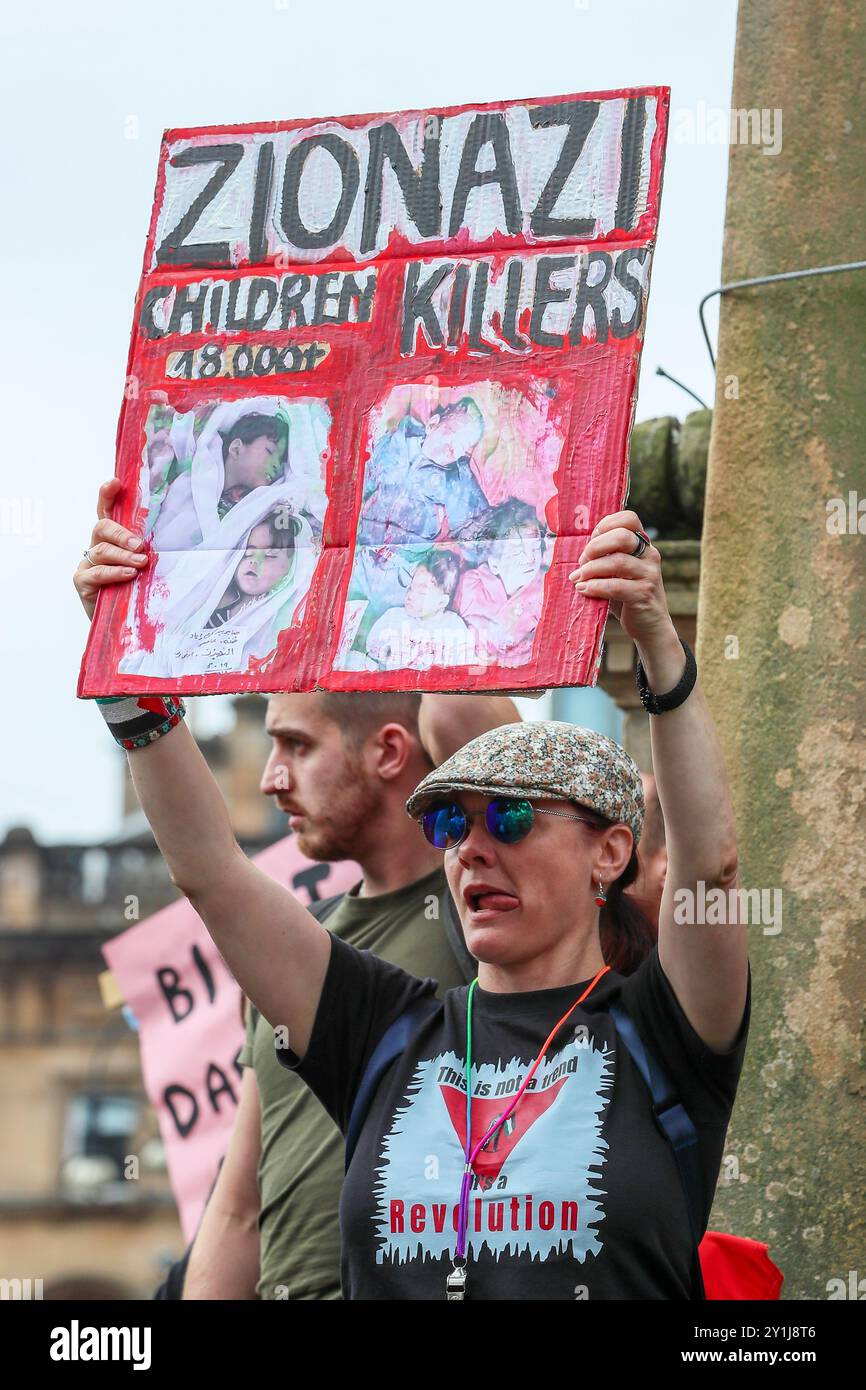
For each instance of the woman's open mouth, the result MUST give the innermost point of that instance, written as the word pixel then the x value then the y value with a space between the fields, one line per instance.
pixel 485 901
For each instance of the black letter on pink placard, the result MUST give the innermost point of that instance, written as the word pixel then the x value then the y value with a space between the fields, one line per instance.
pixel 170 1096
pixel 171 991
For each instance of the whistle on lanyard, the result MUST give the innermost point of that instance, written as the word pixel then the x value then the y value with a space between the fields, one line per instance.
pixel 455 1284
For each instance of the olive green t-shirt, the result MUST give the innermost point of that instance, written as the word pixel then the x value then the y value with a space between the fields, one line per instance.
pixel 302 1153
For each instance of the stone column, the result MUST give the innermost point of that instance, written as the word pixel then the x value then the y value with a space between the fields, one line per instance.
pixel 781 633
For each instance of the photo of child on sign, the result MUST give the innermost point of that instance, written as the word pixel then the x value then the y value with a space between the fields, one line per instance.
pixel 235 503
pixel 425 631
pixel 452 544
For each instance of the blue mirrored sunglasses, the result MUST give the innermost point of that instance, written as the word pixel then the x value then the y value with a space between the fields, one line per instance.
pixel 508 819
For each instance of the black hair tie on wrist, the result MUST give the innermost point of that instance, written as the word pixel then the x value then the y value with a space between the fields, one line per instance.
pixel 661 704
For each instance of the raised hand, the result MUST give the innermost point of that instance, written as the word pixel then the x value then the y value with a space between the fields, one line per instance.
pixel 620 564
pixel 115 554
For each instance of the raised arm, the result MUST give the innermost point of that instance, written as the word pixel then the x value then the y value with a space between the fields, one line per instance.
pixel 706 965
pixel 276 950
pixel 447 722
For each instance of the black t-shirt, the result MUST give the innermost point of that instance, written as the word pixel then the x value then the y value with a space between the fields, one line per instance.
pixel 578 1197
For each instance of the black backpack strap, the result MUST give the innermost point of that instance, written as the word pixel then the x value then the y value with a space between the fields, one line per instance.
pixel 677 1127
pixel 172 1285
pixel 392 1043
pixel 466 963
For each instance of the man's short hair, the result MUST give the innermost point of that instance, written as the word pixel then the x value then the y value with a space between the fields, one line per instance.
pixel 358 714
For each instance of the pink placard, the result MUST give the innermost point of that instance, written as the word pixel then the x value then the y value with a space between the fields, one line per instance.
pixel 190 1016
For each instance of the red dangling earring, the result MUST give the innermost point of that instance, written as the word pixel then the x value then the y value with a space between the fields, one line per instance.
pixel 601 896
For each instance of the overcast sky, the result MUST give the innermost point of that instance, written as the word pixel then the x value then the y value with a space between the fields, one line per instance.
pixel 87 91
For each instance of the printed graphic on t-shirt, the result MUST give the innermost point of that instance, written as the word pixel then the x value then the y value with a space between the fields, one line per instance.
pixel 523 1198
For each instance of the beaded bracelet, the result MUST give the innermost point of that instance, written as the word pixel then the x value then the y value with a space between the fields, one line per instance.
pixel 136 720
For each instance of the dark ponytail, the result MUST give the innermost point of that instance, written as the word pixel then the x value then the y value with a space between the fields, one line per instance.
pixel 626 932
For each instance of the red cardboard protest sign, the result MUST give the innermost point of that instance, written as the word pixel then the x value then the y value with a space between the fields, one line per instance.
pixel 380 390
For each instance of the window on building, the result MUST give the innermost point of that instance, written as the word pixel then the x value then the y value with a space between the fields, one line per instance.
pixel 100 1132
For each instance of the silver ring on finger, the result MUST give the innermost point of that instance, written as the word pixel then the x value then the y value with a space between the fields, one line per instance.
pixel 88 559
pixel 642 543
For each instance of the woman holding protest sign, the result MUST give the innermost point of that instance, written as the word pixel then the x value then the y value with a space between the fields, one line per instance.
pixel 509 1149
